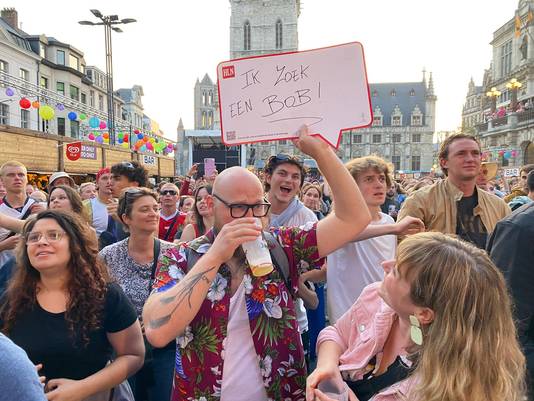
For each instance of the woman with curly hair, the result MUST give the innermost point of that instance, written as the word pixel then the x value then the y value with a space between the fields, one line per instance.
pixel 62 309
pixel 439 327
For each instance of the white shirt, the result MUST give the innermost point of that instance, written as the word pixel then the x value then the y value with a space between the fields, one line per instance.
pixel 100 215
pixel 9 211
pixel 242 378
pixel 354 266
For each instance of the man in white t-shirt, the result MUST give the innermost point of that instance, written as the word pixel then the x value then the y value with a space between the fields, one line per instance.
pixel 284 177
pixel 98 206
pixel 357 264
pixel 15 204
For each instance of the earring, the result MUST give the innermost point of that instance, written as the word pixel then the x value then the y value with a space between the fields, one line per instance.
pixel 415 330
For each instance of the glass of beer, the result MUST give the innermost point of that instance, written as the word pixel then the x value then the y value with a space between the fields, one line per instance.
pixel 258 255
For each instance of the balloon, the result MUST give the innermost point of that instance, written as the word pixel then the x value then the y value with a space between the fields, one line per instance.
pixel 125 138
pixel 82 116
pixel 102 125
pixel 46 113
pixel 139 135
pixel 125 145
pixel 507 154
pixel 60 107
pixel 10 92
pixel 149 146
pixel 99 139
pixel 36 104
pixel 91 137
pixel 514 153
pixel 105 135
pixel 25 103
pixel 136 132
pixel 120 140
pixel 145 139
pixel 120 135
pixel 94 122
pixel 72 116
pixel 152 140
pixel 143 148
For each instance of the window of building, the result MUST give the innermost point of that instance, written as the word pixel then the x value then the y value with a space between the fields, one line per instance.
pixel 377 138
pixel 60 57
pixel 416 138
pixel 412 92
pixel 210 119
pixel 75 129
pixel 92 98
pixel 43 81
pixel 356 138
pixel 4 114
pixel 90 74
pixel 375 93
pixel 246 36
pixel 24 74
pixel 61 126
pixel 278 34
pixel 83 98
pixel 204 119
pixel 42 50
pixel 45 125
pixel 416 120
pixel 283 142
pixel 396 162
pixel 24 118
pixel 396 121
pixel 377 121
pixel 396 138
pixel 4 66
pixel 60 88
pixel 100 102
pixel 506 58
pixel 74 92
pixel 416 163
pixel 393 92
pixel 74 62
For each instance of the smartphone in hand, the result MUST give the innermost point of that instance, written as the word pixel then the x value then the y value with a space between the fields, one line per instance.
pixel 209 167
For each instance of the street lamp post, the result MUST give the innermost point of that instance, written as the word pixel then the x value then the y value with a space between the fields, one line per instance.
pixel 493 94
pixel 109 22
pixel 514 86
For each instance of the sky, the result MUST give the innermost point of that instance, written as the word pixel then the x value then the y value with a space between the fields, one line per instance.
pixel 175 42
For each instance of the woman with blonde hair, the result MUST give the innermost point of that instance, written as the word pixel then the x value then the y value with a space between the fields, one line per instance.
pixel 438 328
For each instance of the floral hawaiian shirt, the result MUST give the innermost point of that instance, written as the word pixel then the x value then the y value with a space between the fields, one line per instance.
pixel 271 312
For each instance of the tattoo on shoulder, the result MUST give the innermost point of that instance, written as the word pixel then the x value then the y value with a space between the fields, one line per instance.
pixel 183 294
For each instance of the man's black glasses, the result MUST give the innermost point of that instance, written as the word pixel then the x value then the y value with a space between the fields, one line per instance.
pixel 168 192
pixel 238 210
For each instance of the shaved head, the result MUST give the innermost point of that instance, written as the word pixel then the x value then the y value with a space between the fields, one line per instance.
pixel 234 185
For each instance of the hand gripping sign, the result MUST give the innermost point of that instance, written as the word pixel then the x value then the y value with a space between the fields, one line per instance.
pixel 267 98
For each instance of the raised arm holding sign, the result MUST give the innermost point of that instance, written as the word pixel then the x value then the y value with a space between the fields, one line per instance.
pixel 267 98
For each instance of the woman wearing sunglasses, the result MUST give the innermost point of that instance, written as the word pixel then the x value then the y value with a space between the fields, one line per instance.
pixel 132 262
pixel 62 309
pixel 203 214
pixel 439 327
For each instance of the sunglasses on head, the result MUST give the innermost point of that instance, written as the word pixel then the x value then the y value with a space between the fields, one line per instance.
pixel 168 192
pixel 127 165
pixel 282 157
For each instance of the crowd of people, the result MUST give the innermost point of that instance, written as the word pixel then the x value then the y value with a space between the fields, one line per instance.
pixel 381 288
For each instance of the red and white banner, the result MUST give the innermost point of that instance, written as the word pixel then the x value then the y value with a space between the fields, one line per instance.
pixel 73 150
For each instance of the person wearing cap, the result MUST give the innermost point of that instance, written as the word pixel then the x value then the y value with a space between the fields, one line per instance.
pixel 60 178
pixel 456 205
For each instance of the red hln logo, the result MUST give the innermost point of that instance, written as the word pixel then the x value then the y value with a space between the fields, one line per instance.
pixel 228 72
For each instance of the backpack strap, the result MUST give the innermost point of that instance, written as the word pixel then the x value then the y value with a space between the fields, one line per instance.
pixel 280 260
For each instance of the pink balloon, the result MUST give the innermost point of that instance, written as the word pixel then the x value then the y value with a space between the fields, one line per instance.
pixel 149 146
pixel 91 137
pixel 102 125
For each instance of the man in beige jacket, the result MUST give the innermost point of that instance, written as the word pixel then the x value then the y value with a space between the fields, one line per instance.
pixel 455 205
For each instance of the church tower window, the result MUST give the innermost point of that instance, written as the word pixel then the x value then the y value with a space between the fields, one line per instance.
pixel 246 36
pixel 278 34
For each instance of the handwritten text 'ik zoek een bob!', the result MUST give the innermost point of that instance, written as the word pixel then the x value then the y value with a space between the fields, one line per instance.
pixel 273 104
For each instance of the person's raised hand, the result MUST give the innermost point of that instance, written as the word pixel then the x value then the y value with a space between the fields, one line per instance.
pixel 311 145
pixel 409 226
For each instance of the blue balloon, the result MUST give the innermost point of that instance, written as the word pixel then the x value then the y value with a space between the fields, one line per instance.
pixel 94 122
pixel 120 140
pixel 99 139
pixel 140 136
pixel 72 116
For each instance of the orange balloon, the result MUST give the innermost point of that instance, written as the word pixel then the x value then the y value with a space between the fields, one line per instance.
pixel 145 139
pixel 36 104
pixel 105 135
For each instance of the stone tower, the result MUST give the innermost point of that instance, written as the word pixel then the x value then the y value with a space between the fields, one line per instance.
pixel 263 27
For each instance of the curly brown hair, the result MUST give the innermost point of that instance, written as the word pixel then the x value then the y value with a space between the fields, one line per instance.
pixel 87 284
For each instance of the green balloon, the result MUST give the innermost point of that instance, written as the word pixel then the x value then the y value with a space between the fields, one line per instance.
pixel 82 116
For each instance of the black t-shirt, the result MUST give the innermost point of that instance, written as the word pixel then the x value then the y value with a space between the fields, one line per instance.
pixel 46 338
pixel 470 227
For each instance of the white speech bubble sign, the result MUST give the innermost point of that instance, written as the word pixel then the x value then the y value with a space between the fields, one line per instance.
pixel 266 98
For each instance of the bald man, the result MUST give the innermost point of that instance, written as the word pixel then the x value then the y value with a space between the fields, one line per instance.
pixel 237 336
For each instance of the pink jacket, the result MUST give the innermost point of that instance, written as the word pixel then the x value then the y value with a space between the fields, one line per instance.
pixel 361 332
